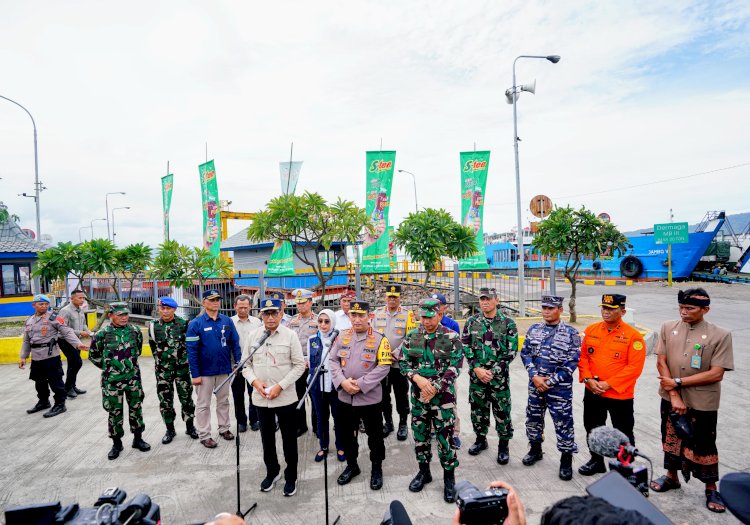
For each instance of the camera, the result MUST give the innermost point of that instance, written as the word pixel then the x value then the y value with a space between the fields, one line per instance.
pixel 109 508
pixel 481 507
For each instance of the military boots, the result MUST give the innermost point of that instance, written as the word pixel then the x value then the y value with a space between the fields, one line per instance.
pixel 479 445
pixel 114 452
pixel 169 436
pixel 503 455
pixel 535 454
pixel 423 477
pixel 566 466
pixel 190 429
pixel 449 488
pixel 139 443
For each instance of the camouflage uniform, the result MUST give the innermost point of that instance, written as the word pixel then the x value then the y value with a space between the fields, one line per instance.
pixel 167 342
pixel 435 357
pixel 490 344
pixel 115 351
pixel 552 351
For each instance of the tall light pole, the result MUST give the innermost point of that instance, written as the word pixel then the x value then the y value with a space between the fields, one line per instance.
pixel 92 226
pixel 80 237
pixel 106 207
pixel 37 184
pixel 519 237
pixel 113 221
pixel 416 205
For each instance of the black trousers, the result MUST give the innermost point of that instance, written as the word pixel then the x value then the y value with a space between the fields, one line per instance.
pixel 300 386
pixel 595 409
pixel 73 355
pixel 397 381
pixel 349 417
pixel 288 427
pixel 48 374
pixel 239 385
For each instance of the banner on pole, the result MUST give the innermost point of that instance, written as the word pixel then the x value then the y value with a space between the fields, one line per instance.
pixel 167 183
pixel 474 165
pixel 289 176
pixel 375 253
pixel 211 213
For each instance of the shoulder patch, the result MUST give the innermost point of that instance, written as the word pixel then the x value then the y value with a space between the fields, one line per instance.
pixel 637 345
pixel 60 320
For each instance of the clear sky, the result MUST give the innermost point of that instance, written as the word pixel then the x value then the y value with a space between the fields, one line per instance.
pixel 645 91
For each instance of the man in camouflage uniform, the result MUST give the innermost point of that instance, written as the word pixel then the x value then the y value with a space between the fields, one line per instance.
pixel 394 322
pixel 550 354
pixel 430 359
pixel 115 350
pixel 490 343
pixel 304 324
pixel 40 340
pixel 166 337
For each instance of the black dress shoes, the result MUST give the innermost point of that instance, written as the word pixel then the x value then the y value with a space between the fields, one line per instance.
pixel 402 432
pixel 38 407
pixel 376 477
pixel 56 410
pixel 349 473
pixel 594 466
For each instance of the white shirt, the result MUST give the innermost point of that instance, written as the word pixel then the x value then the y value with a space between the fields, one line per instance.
pixel 342 321
pixel 245 327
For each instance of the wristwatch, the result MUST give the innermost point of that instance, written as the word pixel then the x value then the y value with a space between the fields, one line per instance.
pixel 586 379
pixel 678 381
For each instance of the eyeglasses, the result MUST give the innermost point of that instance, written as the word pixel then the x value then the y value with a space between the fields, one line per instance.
pixel 324 321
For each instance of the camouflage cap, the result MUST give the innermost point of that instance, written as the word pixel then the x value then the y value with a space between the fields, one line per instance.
pixel 555 301
pixel 487 292
pixel 119 308
pixel 429 307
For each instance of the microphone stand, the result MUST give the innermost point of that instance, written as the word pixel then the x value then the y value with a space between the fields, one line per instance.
pixel 320 372
pixel 237 369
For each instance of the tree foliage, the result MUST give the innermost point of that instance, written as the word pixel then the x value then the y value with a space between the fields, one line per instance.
pixel 310 223
pixel 571 235
pixel 133 260
pixel 182 265
pixel 430 234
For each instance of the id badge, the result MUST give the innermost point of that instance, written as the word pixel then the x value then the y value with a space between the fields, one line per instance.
pixel 695 362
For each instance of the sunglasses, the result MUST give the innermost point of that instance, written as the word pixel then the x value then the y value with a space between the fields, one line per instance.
pixel 324 321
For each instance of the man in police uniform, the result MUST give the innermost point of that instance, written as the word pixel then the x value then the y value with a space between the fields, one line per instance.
pixel 550 354
pixel 115 350
pixel 612 358
pixel 304 324
pixel 360 359
pixel 166 337
pixel 40 340
pixel 490 342
pixel 430 359
pixel 394 322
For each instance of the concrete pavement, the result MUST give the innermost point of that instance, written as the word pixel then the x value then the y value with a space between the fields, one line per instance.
pixel 64 458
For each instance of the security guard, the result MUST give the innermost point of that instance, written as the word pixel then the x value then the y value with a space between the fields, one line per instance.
pixel 431 359
pixel 612 358
pixel 550 354
pixel 166 337
pixel 394 322
pixel 40 340
pixel 305 325
pixel 490 342
pixel 360 359
pixel 115 350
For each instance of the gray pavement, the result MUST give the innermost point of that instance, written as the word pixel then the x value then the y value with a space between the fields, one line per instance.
pixel 64 458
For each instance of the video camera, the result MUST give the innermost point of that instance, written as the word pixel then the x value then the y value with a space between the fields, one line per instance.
pixel 109 508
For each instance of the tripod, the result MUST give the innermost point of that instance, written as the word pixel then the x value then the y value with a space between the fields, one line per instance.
pixel 231 376
pixel 320 372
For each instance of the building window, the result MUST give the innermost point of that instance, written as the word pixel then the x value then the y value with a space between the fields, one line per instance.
pixel 15 279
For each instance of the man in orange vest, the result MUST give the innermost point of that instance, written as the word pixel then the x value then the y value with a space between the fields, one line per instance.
pixel 612 358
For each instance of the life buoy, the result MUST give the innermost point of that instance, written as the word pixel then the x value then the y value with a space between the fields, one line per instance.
pixel 596 265
pixel 631 266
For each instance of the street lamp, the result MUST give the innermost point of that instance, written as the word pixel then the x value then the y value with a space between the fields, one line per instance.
pixel 80 238
pixel 92 226
pixel 37 184
pixel 106 206
pixel 416 206
pixel 113 222
pixel 519 238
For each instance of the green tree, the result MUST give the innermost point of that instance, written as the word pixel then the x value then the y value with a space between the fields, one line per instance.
pixel 310 224
pixel 182 266
pixel 133 260
pixel 572 235
pixel 430 234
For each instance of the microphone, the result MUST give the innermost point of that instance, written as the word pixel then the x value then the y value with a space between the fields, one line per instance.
pixel 334 335
pixel 259 343
pixel 396 514
pixel 607 441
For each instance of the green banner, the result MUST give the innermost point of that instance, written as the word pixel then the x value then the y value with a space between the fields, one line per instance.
pixel 211 214
pixel 281 262
pixel 474 165
pixel 167 182
pixel 375 253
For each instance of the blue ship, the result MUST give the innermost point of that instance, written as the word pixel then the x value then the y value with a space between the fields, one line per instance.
pixel 645 260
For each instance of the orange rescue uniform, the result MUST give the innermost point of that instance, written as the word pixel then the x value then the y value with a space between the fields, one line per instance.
pixel 615 356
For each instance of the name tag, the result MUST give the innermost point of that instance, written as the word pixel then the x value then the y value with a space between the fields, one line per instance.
pixel 695 362
pixel 208 328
